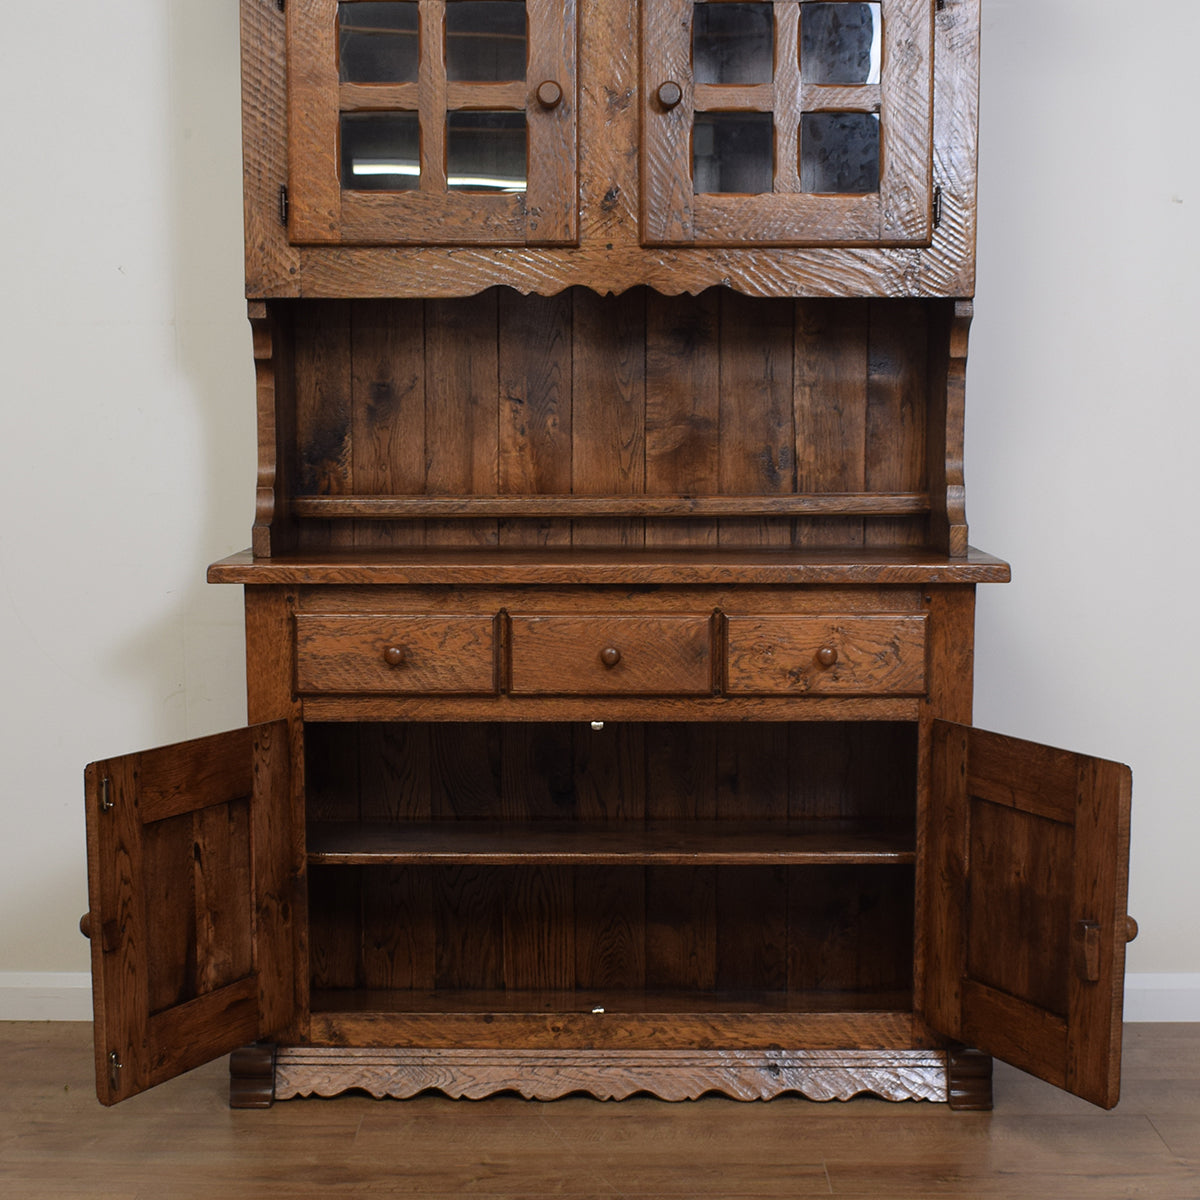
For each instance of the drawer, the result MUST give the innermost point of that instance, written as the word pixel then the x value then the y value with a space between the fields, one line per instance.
pixel 409 654
pixel 864 656
pixel 584 655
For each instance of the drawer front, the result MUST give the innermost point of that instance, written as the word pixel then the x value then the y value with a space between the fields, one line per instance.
pixel 402 655
pixel 864 656
pixel 605 655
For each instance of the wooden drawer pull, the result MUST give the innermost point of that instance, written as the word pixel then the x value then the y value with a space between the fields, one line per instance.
pixel 827 656
pixel 610 656
pixel 85 925
pixel 394 656
pixel 549 94
pixel 1131 929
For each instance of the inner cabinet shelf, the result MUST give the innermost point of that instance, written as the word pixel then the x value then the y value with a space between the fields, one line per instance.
pixel 562 843
pixel 609 602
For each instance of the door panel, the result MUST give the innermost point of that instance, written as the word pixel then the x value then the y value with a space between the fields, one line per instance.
pixel 382 162
pixel 785 148
pixel 190 907
pixel 1027 875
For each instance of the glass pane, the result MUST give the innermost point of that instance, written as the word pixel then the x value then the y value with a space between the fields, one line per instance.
pixel 839 152
pixel 381 152
pixel 485 151
pixel 378 42
pixel 733 43
pixel 733 152
pixel 840 43
pixel 485 40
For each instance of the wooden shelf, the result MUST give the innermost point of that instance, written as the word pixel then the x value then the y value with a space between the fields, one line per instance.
pixel 840 504
pixel 618 565
pixel 576 843
pixel 608 1002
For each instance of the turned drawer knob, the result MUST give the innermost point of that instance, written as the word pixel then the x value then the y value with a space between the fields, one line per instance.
pixel 1131 929
pixel 394 656
pixel 827 656
pixel 85 925
pixel 549 94
pixel 669 94
pixel 610 656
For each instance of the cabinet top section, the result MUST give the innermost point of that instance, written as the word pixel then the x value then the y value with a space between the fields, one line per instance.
pixel 777 147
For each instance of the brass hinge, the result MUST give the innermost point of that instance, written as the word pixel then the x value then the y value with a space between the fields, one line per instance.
pixel 106 801
pixel 114 1070
pixel 937 207
pixel 283 205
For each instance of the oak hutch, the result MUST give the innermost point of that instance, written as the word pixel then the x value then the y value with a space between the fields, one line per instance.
pixel 609 612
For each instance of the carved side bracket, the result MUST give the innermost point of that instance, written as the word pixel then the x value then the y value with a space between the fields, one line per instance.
pixel 948 493
pixel 669 1075
pixel 270 534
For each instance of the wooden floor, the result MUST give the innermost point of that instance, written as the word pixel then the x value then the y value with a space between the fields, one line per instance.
pixel 181 1142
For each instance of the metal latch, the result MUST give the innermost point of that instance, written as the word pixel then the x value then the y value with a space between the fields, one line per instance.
pixel 106 801
pixel 114 1070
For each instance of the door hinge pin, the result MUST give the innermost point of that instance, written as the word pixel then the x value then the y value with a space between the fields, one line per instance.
pixel 106 801
pixel 283 205
pixel 114 1070
pixel 937 207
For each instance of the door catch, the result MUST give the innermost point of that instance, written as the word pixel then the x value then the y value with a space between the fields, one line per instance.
pixel 106 801
pixel 114 1070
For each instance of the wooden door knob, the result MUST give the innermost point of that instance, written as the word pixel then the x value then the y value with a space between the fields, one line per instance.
pixel 394 656
pixel 669 94
pixel 85 925
pixel 610 656
pixel 827 656
pixel 549 94
pixel 1131 929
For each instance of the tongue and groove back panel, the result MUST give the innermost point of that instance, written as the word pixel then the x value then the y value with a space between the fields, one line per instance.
pixel 613 410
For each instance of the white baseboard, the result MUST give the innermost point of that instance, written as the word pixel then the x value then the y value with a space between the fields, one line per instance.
pixel 1150 997
pixel 67 996
pixel 45 996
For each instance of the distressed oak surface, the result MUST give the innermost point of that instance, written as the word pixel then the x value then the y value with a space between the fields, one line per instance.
pixel 183 1141
pixel 927 145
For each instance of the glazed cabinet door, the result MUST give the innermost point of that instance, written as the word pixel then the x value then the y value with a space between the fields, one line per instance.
pixel 1025 906
pixel 432 122
pixel 190 905
pixel 787 122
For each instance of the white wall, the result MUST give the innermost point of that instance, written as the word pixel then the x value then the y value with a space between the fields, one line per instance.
pixel 126 419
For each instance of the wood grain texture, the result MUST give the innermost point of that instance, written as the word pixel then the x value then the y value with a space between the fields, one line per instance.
pixel 1028 834
pixel 419 654
pixel 175 993
pixel 548 842
pixel 1037 1144
pixel 561 655
pixel 746 422
pixel 804 655
pixel 608 257
pixel 659 565
pixel 680 1075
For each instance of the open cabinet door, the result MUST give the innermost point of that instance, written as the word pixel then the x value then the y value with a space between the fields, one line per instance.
pixel 189 870
pixel 1025 906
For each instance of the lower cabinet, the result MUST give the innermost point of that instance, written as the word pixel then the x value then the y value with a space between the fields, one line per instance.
pixel 765 865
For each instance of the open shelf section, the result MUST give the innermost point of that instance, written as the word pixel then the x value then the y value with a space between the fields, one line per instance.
pixel 619 565
pixel 567 843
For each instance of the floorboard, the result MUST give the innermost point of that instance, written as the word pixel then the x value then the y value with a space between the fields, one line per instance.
pixel 182 1142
